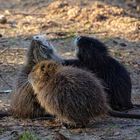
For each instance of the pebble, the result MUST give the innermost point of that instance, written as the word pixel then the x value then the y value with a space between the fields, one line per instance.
pixel 116 133
pixel 3 19
pixel 123 44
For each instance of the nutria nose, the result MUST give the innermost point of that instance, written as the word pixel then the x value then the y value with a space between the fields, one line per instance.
pixel 40 37
pixel 36 38
pixel 77 40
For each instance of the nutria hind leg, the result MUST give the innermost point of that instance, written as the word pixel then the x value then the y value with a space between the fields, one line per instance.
pixel 120 104
pixel 118 107
pixel 136 106
pixel 133 107
pixel 45 117
pixel 73 125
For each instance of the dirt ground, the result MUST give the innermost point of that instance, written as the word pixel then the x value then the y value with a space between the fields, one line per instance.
pixel 116 23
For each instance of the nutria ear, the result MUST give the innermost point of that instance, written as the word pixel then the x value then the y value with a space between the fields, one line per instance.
pixel 42 67
pixel 52 67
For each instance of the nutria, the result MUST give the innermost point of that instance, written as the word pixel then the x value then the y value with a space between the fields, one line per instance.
pixel 73 95
pixel 24 103
pixel 94 55
pixel 85 61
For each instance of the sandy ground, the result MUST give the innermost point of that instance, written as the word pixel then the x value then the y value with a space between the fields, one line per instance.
pixel 116 23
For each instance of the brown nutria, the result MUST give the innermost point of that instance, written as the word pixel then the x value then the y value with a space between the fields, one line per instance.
pixel 93 55
pixel 73 95
pixel 24 103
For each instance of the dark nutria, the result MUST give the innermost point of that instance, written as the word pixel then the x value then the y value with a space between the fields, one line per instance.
pixel 24 103
pixel 93 55
pixel 73 95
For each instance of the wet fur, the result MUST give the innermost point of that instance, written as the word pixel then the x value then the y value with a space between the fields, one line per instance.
pixel 75 96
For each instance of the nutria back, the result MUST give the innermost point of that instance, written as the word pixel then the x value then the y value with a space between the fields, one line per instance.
pixel 72 94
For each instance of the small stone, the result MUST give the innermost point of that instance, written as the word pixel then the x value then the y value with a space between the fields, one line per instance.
pixel 59 136
pixel 3 19
pixel 100 17
pixel 15 133
pixel 7 12
pixel 115 42
pixel 12 24
pixel 116 133
pixel 123 44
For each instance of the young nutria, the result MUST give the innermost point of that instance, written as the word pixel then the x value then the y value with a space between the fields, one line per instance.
pixel 73 95
pixel 24 103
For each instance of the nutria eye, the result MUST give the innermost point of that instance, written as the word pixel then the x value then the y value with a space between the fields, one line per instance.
pixel 49 65
pixel 42 67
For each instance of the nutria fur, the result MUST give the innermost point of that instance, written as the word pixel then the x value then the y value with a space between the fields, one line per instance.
pixel 73 95
pixel 24 103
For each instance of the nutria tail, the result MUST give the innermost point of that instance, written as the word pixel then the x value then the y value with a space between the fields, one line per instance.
pixel 123 114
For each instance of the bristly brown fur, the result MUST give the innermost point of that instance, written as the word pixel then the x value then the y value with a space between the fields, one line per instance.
pixel 75 96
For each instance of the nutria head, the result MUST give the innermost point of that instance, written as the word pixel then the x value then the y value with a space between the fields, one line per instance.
pixel 88 47
pixel 41 49
pixel 42 73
